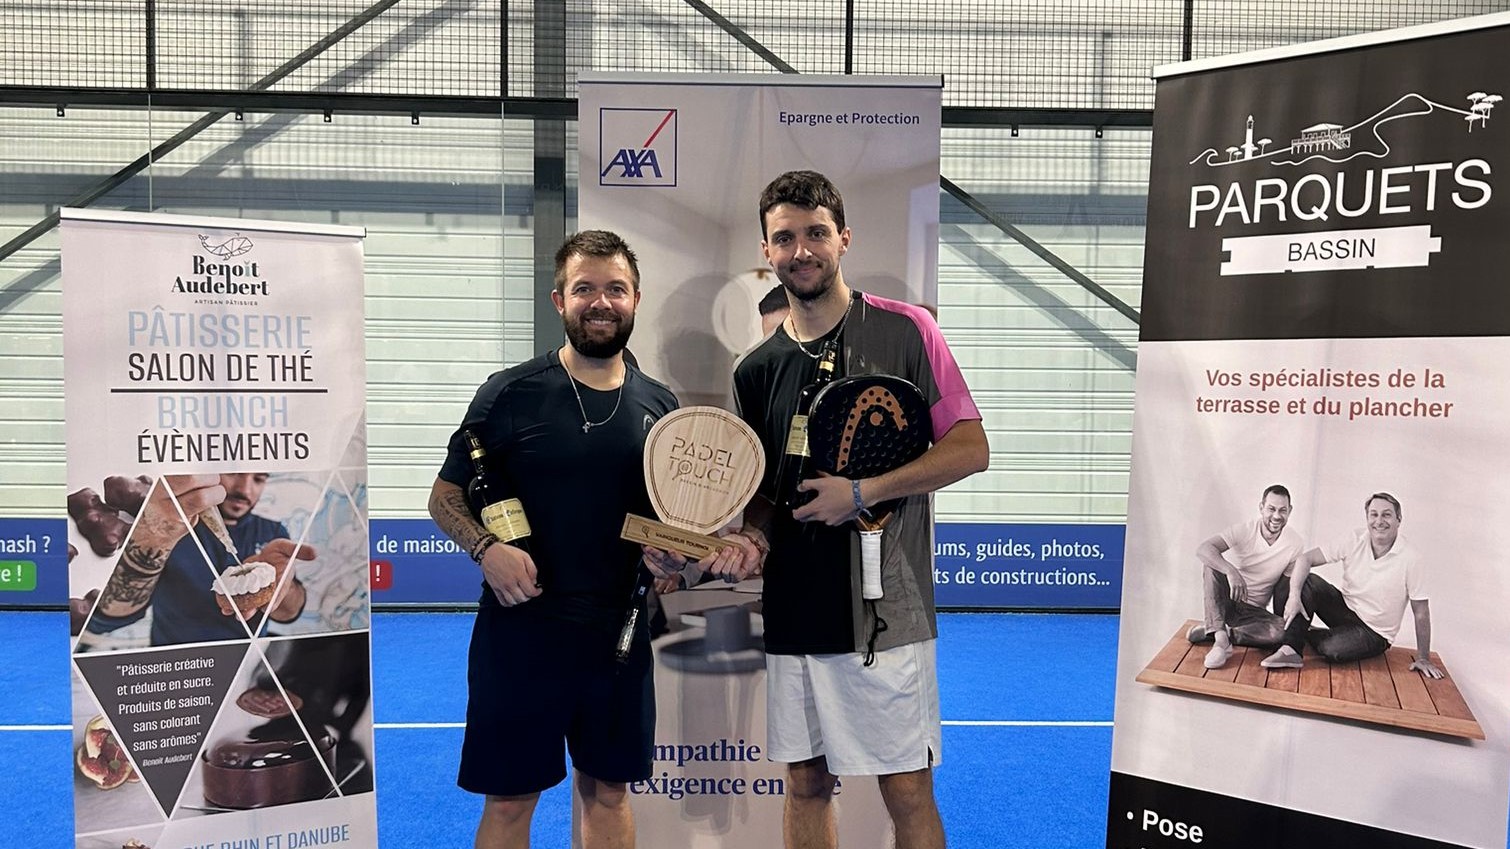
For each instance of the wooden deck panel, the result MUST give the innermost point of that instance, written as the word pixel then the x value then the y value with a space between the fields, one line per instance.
pixel 1168 659
pixel 1378 687
pixel 1445 694
pixel 1228 671
pixel 1347 684
pixel 1194 662
pixel 1315 679
pixel 1408 700
pixel 1251 673
pixel 1283 680
pixel 1410 688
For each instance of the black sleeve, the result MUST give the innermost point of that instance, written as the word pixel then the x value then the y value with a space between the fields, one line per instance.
pixel 485 417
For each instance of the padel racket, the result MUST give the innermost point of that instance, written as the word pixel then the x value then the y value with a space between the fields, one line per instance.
pixel 862 426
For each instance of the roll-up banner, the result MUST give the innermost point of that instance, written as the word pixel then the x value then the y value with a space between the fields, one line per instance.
pixel 675 165
pixel 1321 415
pixel 217 532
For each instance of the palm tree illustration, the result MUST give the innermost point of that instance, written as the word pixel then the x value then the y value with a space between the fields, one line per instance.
pixel 1483 104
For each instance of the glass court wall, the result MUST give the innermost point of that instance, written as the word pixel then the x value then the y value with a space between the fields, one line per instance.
pixel 447 129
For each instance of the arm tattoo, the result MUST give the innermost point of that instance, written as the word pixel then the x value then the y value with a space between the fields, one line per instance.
pixel 130 586
pixel 449 510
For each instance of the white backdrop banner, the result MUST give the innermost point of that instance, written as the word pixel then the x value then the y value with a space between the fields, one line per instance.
pixel 209 706
pixel 675 165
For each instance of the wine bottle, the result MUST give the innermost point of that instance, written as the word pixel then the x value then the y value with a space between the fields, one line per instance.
pixel 500 513
pixel 796 461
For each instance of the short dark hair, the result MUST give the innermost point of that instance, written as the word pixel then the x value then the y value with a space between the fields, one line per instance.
pixel 1399 514
pixel 595 243
pixel 805 189
pixel 774 300
pixel 1277 489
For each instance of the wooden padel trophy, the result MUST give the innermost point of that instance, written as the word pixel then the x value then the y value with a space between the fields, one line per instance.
pixel 702 466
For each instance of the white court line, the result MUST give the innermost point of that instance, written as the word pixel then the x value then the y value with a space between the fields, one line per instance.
pixel 968 723
pixel 419 725
pixel 1001 723
pixel 1029 723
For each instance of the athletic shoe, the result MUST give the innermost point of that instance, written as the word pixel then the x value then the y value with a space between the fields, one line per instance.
pixel 1198 634
pixel 1217 657
pixel 1282 659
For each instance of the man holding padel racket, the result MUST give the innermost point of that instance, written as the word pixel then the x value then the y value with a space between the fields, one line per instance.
pixel 852 686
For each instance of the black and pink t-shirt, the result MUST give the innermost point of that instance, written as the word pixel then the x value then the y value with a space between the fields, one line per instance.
pixel 812 599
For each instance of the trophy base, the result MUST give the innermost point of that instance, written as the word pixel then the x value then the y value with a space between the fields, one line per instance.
pixel 690 544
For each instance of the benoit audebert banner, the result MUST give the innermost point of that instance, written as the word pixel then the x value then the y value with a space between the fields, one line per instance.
pixel 221 663
pixel 1323 310
pixel 675 164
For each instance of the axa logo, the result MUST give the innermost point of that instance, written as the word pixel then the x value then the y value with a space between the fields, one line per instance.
pixel 637 147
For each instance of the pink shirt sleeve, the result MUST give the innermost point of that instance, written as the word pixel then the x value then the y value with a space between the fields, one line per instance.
pixel 954 403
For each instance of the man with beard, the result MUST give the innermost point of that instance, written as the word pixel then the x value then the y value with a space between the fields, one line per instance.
pixel 565 433
pixel 1381 571
pixel 1237 590
pixel 848 695
pixel 162 569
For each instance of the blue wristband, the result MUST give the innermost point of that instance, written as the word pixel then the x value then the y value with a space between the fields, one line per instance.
pixel 854 488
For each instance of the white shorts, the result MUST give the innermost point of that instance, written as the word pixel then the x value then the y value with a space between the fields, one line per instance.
pixel 865 720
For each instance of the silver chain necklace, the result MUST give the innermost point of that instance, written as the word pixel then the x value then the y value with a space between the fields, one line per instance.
pixel 586 424
pixel 791 319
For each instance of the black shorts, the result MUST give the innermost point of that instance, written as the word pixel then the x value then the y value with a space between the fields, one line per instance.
pixel 535 682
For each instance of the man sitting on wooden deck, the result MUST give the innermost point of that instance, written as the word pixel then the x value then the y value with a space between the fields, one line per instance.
pixel 1380 572
pixel 1237 594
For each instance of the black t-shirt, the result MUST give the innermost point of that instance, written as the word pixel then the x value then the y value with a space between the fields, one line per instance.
pixel 575 487
pixel 812 598
pixel 807 576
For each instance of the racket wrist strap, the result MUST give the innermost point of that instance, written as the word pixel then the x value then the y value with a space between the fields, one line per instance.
pixel 854 488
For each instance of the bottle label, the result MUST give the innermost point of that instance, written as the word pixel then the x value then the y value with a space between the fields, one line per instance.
pixel 506 520
pixel 796 438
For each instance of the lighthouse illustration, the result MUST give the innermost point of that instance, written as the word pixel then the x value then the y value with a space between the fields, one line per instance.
pixel 1248 146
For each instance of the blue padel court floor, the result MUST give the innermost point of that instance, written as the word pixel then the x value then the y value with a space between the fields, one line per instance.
pixel 1026 700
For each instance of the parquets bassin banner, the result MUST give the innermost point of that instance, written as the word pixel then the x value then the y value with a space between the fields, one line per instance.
pixel 1324 309
pixel 220 655
pixel 675 164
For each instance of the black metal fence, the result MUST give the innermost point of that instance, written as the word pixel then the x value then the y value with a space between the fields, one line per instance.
pixel 1004 61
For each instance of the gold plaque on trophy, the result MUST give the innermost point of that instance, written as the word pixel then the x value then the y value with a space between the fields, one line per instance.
pixel 702 466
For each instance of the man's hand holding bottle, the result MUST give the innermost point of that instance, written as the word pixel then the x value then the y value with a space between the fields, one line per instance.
pixel 511 572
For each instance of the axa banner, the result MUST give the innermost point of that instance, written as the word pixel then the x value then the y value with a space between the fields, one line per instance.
pixel 216 532
pixel 1313 639
pixel 675 165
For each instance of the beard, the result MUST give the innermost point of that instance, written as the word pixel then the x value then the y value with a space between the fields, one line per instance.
pixel 818 287
pixel 583 340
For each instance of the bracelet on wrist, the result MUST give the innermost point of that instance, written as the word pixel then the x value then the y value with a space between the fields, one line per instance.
pixel 854 488
pixel 481 547
pixel 758 540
